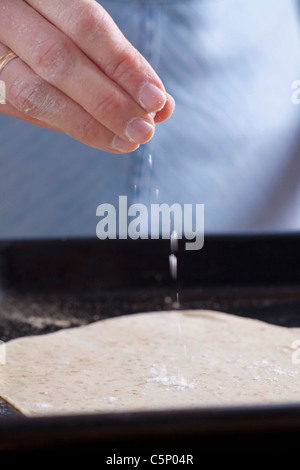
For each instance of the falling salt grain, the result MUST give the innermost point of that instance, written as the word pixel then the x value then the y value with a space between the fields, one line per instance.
pixel 176 304
pixel 174 241
pixel 173 266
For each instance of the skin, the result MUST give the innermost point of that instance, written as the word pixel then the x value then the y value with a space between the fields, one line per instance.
pixel 76 73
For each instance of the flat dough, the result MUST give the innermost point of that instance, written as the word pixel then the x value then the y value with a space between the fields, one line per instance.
pixel 152 361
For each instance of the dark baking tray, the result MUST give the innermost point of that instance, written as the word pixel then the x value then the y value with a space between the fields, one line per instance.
pixel 51 284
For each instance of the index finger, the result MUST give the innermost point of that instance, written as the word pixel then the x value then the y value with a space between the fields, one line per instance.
pixel 95 33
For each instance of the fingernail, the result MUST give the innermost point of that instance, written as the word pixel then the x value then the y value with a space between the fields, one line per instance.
pixel 122 145
pixel 152 98
pixel 139 131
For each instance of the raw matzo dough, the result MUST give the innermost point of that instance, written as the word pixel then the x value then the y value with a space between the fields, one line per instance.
pixel 152 361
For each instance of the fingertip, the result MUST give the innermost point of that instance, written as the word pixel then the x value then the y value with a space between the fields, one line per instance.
pixel 167 111
pixel 123 146
pixel 151 97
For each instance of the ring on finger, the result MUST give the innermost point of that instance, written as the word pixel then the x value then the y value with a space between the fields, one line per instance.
pixel 6 58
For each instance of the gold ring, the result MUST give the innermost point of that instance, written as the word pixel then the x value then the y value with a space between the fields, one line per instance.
pixel 5 58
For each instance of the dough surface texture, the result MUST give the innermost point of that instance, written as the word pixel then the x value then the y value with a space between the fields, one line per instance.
pixel 148 361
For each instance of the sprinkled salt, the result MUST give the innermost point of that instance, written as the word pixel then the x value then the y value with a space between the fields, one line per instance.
pixel 173 266
pixel 161 377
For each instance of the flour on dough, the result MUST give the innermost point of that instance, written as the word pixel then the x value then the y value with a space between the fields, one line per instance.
pixel 157 360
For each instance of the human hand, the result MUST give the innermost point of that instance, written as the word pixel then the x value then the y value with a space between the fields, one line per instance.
pixel 76 73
